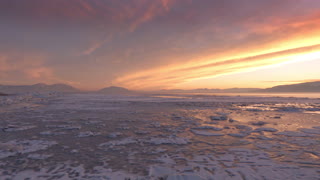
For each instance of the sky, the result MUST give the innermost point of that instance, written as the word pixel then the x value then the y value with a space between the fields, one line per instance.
pixel 159 44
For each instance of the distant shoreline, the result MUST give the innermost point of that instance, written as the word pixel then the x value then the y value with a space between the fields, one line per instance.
pixel 257 94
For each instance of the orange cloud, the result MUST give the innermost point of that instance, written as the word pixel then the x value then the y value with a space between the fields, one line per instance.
pixel 29 66
pixel 39 73
pixel 168 77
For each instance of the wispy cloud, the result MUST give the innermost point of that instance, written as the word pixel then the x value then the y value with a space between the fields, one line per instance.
pixel 30 68
pixel 293 82
pixel 179 74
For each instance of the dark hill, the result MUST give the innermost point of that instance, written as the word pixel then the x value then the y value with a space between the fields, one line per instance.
pixel 115 90
pixel 301 87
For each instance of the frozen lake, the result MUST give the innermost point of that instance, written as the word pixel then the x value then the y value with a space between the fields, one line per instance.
pixel 94 136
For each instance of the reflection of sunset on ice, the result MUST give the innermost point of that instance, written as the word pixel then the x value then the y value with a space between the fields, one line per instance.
pixel 96 136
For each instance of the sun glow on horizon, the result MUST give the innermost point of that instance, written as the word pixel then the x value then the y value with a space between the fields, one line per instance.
pixel 180 74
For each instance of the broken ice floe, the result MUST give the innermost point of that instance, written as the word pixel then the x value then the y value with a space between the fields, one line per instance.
pixel 177 156
pixel 67 171
pixel 283 107
pixel 23 146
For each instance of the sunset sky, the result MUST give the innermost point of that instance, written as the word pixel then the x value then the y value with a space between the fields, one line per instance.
pixel 159 44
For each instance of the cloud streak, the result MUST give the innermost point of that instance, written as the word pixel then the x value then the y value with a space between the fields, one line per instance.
pixel 170 77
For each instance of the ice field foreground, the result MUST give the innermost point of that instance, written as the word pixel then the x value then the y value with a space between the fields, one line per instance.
pixel 91 136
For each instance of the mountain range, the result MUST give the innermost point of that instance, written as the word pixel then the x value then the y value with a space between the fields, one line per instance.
pixel 301 87
pixel 206 90
pixel 41 87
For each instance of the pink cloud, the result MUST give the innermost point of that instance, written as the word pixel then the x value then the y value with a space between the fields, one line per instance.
pixel 39 73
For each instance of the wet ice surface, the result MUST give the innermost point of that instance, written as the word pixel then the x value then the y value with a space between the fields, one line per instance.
pixel 88 136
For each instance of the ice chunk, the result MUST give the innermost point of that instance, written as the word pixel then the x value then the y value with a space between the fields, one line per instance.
pixel 219 118
pixel 293 134
pixel 310 131
pixel 142 132
pixel 260 137
pixel 114 135
pixel 64 127
pixel 166 159
pixel 240 135
pixel 232 120
pixel 87 134
pixel 258 123
pixel 206 133
pixel 209 127
pixel 39 156
pixel 13 128
pixel 265 129
pixel 243 127
pixel 50 133
pixel 158 150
